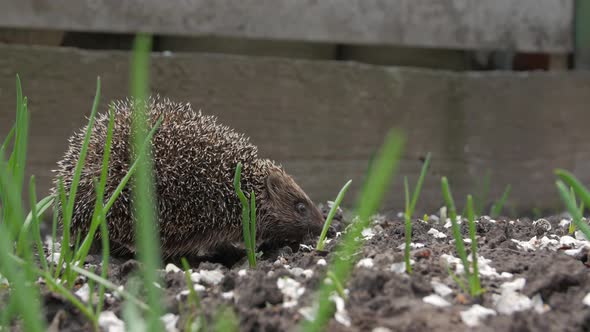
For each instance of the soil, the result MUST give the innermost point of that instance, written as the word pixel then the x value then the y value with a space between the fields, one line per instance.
pixel 536 278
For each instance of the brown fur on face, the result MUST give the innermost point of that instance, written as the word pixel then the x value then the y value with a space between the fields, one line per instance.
pixel 287 215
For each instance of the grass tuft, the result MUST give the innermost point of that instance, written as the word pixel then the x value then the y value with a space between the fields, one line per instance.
pixel 321 241
pixel 379 176
pixel 471 270
pixel 248 217
pixel 409 211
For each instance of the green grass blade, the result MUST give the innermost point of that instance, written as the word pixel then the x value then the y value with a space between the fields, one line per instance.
pixel 112 287
pixel 147 237
pixel 377 182
pixel 572 208
pixel 497 208
pixel 253 224
pixel 27 300
pixel 133 168
pixel 98 207
pixel 570 180
pixel 419 183
pixel 321 241
pixel 69 208
pixel 455 226
pixel 475 284
pixel 245 216
pixel 408 227
pixel 7 141
pixel 35 222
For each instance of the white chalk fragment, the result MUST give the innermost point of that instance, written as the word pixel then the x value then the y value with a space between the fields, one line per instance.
pixel 436 233
pixel 381 329
pixel 341 314
pixel 228 295
pixel 538 304
pixel 473 315
pixel 242 273
pixel 515 285
pixel 564 223
pixel 308 313
pixel 368 233
pixel 400 267
pixel 83 293
pixel 436 300
pixel 171 268
pixel 412 246
pixel 291 290
pixel 440 288
pixel 365 262
pixel 321 262
pixel 580 236
pixel 211 277
pixel 109 322
pixel 510 301
pixel 169 321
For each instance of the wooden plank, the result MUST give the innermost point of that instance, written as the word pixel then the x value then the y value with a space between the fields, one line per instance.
pixel 582 35
pixel 523 25
pixel 322 120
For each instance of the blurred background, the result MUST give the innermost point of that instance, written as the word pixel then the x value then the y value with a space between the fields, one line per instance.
pixel 496 90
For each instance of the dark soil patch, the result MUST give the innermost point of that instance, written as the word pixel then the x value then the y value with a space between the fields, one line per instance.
pixel 556 281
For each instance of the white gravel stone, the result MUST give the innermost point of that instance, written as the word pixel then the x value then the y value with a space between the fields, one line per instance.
pixel 242 273
pixel 366 263
pixel 586 300
pixel 211 277
pixel 109 322
pixel 472 316
pixel 291 290
pixel 412 246
pixel 171 268
pixel 341 315
pixel 381 329
pixel 436 233
pixel 368 233
pixel 436 300
pixel 169 321
pixel 83 293
pixel 321 262
pixel 440 288
pixel 400 267
pixel 228 295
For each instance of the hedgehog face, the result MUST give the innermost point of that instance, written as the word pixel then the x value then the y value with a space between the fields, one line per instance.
pixel 290 215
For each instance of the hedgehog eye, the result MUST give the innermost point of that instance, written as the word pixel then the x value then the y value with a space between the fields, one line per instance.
pixel 301 208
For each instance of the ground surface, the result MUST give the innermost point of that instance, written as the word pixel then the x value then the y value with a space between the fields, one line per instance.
pixel 536 279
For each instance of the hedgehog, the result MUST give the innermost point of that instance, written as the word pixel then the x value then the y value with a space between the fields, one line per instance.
pixel 194 162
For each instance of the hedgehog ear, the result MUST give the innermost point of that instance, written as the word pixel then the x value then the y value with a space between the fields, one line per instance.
pixel 273 184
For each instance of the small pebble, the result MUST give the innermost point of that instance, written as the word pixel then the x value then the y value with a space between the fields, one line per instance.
pixel 242 273
pixel 472 316
pixel 436 233
pixel 169 321
pixel 436 300
pixel 586 300
pixel 365 262
pixel 109 322
pixel 228 295
pixel 321 262
pixel 211 277
pixel 440 288
pixel 83 293
pixel 291 290
pixel 171 268
pixel 341 315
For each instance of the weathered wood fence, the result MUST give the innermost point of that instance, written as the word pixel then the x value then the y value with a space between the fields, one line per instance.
pixel 323 119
